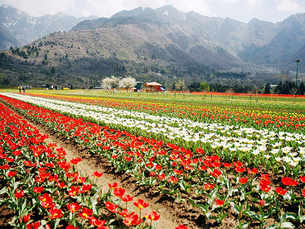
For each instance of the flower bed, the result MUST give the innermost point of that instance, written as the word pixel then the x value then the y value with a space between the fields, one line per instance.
pixel 210 183
pixel 258 146
pixel 42 189
pixel 257 118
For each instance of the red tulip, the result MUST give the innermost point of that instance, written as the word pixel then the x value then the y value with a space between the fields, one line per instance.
pixel 85 213
pixel 12 173
pixel 71 227
pixel 243 180
pixel 119 192
pixel 127 198
pixel 74 207
pixel 208 186
pixel 97 174
pixel 132 220
pixel 38 189
pixel 75 161
pixel 216 173
pixel 141 204
pixel 26 218
pixel 19 194
pixel 56 213
pixel 111 206
pixel 219 202
pixel 262 203
pixel 289 182
pixel 281 191
pixel 154 216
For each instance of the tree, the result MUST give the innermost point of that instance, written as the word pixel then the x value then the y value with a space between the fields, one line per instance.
pixel 180 85
pixel 127 82
pixel 267 89
pixel 110 82
pixel 4 80
pixel 302 89
pixel 195 86
pixel 278 88
pixel 204 86
pixel 52 70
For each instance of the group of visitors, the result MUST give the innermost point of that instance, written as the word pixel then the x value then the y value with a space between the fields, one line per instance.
pixel 21 88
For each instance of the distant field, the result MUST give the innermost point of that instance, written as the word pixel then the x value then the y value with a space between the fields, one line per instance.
pixel 283 103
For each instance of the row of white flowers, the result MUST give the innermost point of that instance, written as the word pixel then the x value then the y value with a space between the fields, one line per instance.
pixel 283 146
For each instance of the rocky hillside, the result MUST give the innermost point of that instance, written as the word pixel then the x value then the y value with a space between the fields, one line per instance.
pixel 284 48
pixel 6 38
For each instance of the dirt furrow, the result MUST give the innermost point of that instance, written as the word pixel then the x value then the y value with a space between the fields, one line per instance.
pixel 165 207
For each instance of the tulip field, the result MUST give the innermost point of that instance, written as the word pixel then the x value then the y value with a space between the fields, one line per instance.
pixel 40 189
pixel 222 165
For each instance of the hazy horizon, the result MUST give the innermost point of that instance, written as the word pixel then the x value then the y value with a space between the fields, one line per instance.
pixel 242 10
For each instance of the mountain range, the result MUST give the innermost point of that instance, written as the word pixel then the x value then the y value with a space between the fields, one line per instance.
pixel 21 28
pixel 257 42
pixel 147 42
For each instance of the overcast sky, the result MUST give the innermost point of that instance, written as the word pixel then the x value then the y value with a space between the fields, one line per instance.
pixel 243 10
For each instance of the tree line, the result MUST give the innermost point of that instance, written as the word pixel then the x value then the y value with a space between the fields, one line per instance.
pixel 288 87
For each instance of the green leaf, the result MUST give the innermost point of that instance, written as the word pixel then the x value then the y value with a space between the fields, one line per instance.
pixel 300 216
pixel 16 184
pixel 192 202
pixel 3 190
pixel 203 207
pixel 233 205
pixel 290 216
pixel 23 207
pixel 57 223
pixel 272 227
pixel 250 213
pixel 287 225
pixel 94 202
pixel 244 225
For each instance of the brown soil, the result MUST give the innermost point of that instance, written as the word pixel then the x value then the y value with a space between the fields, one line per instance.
pixel 6 216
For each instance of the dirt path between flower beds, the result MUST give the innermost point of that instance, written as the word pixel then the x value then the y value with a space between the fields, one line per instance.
pixel 169 215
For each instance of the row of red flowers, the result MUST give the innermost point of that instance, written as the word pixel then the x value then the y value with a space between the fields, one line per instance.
pixel 247 94
pixel 45 190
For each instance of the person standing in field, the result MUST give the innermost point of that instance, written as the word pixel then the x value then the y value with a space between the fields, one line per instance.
pixel 23 89
pixel 19 88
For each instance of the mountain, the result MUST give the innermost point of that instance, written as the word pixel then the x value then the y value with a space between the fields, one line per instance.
pixel 25 28
pixel 166 33
pixel 6 39
pixel 232 35
pixel 284 48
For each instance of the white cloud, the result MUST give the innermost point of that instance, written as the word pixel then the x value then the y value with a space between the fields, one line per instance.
pixel 272 10
pixel 254 3
pixel 40 7
pixel 289 6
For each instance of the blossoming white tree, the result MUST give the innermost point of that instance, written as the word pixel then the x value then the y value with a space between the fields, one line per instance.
pixel 110 82
pixel 127 83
